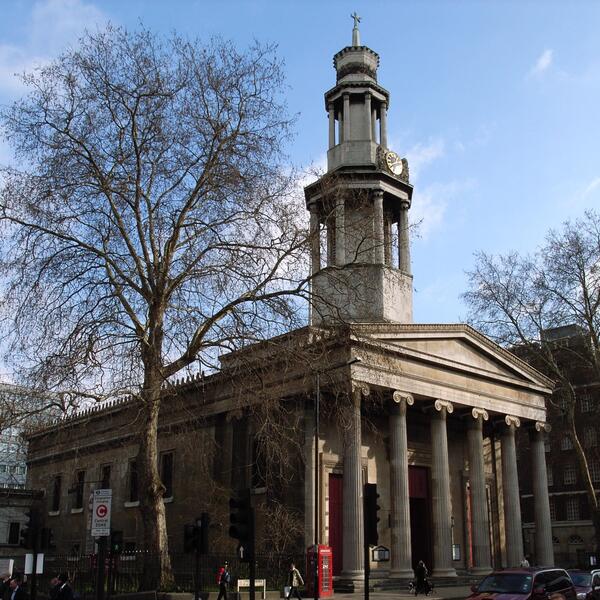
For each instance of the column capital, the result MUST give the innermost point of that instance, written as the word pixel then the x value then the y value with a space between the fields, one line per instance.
pixel 358 387
pixel 543 427
pixel 398 397
pixel 441 405
pixel 512 422
pixel 480 412
pixel 377 193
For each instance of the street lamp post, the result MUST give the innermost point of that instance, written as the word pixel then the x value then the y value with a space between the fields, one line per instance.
pixel 316 415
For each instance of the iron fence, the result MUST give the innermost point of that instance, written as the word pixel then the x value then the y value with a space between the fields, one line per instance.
pixel 123 572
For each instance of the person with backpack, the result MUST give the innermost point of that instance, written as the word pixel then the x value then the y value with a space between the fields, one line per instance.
pixel 223 580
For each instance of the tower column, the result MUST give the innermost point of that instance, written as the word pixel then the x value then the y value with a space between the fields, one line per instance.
pixel 331 111
pixel 480 521
pixel 373 124
pixel 340 238
pixel 353 563
pixel 315 240
pixel 510 486
pixel 403 240
pixel 440 493
pixel 387 240
pixel 368 115
pixel 378 227
pixel 383 125
pixel 399 494
pixel 346 126
pixel 544 551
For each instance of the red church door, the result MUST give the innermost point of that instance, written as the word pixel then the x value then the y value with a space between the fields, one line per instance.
pixel 420 515
pixel 336 521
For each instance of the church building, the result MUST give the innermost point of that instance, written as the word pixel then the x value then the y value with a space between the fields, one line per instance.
pixel 427 412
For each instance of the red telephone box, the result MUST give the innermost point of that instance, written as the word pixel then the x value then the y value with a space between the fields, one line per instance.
pixel 324 558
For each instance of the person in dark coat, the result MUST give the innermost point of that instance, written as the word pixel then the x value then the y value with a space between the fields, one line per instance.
pixel 64 591
pixel 16 590
pixel 422 583
pixel 4 585
pixel 53 591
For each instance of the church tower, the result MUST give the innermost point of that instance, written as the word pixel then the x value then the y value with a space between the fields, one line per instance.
pixel 360 253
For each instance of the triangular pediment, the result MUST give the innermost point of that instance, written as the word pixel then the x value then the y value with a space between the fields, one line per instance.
pixel 456 347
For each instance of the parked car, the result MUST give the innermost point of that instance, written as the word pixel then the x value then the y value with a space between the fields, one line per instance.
pixel 587 584
pixel 532 583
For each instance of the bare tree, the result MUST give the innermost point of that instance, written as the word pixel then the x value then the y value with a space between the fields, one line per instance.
pixel 517 299
pixel 151 225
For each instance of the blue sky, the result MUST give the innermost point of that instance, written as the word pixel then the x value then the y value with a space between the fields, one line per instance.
pixel 496 104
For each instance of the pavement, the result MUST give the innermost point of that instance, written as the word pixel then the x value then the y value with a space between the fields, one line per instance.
pixel 439 593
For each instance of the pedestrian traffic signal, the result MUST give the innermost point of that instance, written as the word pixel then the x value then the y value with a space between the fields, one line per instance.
pixel 241 520
pixel 191 538
pixel 116 542
pixel 371 510
pixel 47 541
pixel 30 531
pixel 204 525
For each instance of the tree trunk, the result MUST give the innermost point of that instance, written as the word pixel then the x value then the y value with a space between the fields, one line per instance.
pixel 157 572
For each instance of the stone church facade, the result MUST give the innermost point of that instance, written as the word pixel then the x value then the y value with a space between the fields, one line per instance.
pixel 426 412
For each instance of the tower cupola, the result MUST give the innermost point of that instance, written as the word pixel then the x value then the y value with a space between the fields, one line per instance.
pixel 361 204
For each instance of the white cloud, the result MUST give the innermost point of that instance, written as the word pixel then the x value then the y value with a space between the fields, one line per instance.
pixel 543 62
pixel 421 155
pixel 52 25
pixel 591 187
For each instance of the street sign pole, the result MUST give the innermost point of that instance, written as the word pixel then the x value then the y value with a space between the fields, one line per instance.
pixel 101 509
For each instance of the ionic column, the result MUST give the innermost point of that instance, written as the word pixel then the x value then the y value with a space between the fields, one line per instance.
pixel 441 500
pixel 352 490
pixel 340 237
pixel 544 551
pixel 309 476
pixel 378 227
pixel 331 111
pixel 346 117
pixel 399 494
pixel 315 240
pixel 383 125
pixel 512 501
pixel 403 240
pixel 479 508
pixel 368 113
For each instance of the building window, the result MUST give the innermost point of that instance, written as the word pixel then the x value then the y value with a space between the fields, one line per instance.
pixel 552 510
pixel 133 481
pixel 585 400
pixel 594 467
pixel 105 477
pixel 21 470
pixel 555 541
pixel 166 473
pixel 2 468
pixel 13 533
pixel 569 475
pixel 590 437
pixel 550 475
pixel 575 539
pixel 572 510
pixel 566 443
pixel 79 487
pixel 12 469
pixel 56 485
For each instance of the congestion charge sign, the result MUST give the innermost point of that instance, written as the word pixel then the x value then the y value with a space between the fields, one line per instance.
pixel 101 512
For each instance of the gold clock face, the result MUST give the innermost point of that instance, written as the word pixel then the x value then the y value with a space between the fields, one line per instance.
pixel 393 162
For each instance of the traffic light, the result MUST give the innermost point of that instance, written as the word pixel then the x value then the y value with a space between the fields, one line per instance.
pixel 204 525
pixel 47 541
pixel 371 510
pixel 191 538
pixel 116 541
pixel 30 531
pixel 241 520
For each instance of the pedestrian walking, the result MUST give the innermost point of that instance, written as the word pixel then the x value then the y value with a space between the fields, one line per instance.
pixel 294 581
pixel 16 588
pixel 223 579
pixel 422 584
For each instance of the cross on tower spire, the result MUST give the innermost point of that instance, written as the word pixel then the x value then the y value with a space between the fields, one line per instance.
pixel 355 31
